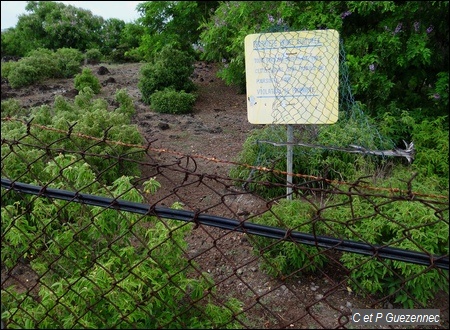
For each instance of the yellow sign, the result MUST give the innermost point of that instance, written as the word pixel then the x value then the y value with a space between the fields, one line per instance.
pixel 292 77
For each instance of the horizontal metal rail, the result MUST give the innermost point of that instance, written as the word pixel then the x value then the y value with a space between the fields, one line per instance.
pixel 233 225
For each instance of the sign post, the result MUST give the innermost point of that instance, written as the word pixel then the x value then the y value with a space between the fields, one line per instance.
pixel 289 160
pixel 292 78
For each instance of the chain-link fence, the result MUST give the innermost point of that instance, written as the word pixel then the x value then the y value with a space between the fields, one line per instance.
pixel 139 237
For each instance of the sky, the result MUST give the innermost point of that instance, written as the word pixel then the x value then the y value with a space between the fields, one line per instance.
pixel 124 10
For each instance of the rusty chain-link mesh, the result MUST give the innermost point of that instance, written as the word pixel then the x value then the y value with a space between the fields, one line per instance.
pixel 139 237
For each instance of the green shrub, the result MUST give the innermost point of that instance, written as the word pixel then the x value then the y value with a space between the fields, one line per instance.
pixel 12 108
pixel 171 68
pixel 93 56
pixel 430 138
pixel 257 154
pixel 134 55
pixel 43 60
pixel 126 105
pixel 87 79
pixel 117 55
pixel 318 162
pixel 90 117
pixel 114 284
pixel 42 64
pixel 282 258
pixel 6 69
pixel 405 224
pixel 171 101
pixel 23 75
pixel 38 65
pixel 68 62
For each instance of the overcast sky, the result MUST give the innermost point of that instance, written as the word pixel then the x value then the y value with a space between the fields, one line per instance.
pixel 124 10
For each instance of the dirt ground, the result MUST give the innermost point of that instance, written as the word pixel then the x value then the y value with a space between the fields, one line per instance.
pixel 217 130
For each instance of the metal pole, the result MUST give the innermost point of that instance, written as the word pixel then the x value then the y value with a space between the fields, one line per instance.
pixel 289 156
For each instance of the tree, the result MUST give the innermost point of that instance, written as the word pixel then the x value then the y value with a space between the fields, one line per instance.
pixel 111 35
pixel 53 25
pixel 398 54
pixel 12 44
pixel 222 36
pixel 172 22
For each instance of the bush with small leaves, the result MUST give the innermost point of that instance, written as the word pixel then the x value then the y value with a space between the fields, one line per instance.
pixel 282 258
pixel 170 68
pixel 404 224
pixel 23 75
pixel 318 162
pixel 43 60
pixel 42 64
pixel 38 65
pixel 93 56
pixel 125 101
pixel 430 137
pixel 88 116
pixel 171 101
pixel 87 79
pixel 68 62
pixel 6 69
pixel 81 259
pixel 12 108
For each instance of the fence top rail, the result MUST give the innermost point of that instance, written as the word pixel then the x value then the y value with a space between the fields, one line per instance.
pixel 232 224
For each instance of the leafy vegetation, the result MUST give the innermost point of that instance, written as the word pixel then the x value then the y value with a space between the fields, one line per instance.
pixel 396 51
pixel 170 68
pixel 283 258
pixel 312 162
pixel 43 64
pixel 53 25
pixel 173 23
pixel 171 101
pixel 99 289
pixel 87 79
pixel 412 226
pixel 83 255
pixel 85 115
pixel 169 72
pixel 408 225
pixel 93 56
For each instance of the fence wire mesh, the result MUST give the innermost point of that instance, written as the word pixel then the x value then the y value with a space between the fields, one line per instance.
pixel 115 239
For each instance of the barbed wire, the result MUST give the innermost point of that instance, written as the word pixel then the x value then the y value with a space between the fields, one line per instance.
pixel 212 159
